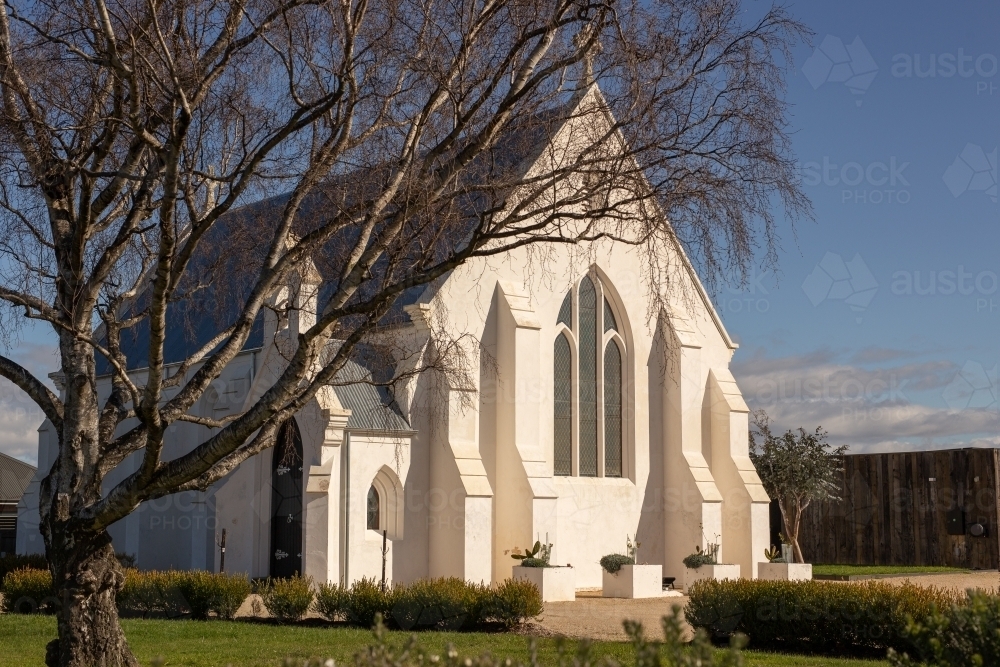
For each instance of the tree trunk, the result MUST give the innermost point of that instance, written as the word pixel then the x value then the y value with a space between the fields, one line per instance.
pixel 791 518
pixel 87 577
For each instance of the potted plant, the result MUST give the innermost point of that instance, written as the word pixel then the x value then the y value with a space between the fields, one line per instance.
pixel 705 565
pixel 555 583
pixel 777 567
pixel 624 578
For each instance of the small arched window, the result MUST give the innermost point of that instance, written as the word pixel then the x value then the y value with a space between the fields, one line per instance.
pixel 373 509
pixel 589 424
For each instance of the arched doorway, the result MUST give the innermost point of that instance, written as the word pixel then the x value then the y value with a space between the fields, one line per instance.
pixel 286 502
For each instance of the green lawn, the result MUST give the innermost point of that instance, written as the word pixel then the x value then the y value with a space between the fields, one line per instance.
pixel 847 570
pixel 217 643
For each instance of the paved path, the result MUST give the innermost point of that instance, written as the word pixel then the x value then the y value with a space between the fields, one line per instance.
pixel 595 617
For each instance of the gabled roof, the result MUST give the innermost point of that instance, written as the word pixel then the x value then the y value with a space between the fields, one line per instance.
pixel 14 478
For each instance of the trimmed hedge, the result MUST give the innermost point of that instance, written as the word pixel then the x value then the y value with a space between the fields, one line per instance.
pixel 171 593
pixel 448 603
pixel 12 562
pixel 206 592
pixel 963 634
pixel 287 599
pixel 451 603
pixel 27 591
pixel 814 616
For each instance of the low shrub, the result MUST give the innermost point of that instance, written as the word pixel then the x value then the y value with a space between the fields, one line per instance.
pixel 172 593
pixel 12 562
pixel 513 602
pixel 962 634
pixel 699 557
pixel 365 601
pixel 27 590
pixel 814 616
pixel 443 604
pixel 152 593
pixel 331 601
pixel 206 592
pixel 288 599
pixel 614 562
pixel 230 592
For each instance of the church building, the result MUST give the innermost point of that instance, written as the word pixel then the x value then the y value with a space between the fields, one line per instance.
pixel 586 417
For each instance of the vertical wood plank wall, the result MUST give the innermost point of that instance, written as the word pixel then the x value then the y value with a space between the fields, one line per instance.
pixel 895 510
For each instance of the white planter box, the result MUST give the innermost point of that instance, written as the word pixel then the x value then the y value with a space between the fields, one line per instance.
pixel 785 571
pixel 633 581
pixel 710 572
pixel 556 584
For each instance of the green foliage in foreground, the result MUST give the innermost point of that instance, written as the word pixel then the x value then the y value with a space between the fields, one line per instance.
pixel 815 616
pixel 966 634
pixel 853 570
pixel 260 644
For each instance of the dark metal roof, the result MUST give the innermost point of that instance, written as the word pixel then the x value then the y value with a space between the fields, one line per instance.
pixel 372 406
pixel 14 478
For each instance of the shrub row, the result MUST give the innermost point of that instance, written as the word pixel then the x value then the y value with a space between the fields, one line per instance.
pixel 432 603
pixel 174 592
pixel 144 593
pixel 963 634
pixel 449 603
pixel 28 590
pixel 12 562
pixel 815 616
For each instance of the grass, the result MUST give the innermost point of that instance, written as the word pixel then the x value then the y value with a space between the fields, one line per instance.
pixel 847 570
pixel 217 643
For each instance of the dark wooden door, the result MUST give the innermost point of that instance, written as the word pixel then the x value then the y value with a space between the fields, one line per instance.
pixel 286 502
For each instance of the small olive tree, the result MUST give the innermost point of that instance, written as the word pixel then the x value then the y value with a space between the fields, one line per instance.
pixel 796 469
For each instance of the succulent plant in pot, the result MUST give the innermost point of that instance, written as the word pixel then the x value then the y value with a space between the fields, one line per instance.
pixel 537 556
pixel 612 563
pixel 773 555
pixel 707 557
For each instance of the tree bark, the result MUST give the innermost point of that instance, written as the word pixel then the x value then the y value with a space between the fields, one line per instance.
pixel 87 577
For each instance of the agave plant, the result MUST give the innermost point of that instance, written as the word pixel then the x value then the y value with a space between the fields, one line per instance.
pixel 536 556
pixel 773 555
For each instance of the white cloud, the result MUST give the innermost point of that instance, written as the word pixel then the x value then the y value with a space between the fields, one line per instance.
pixel 872 400
pixel 19 416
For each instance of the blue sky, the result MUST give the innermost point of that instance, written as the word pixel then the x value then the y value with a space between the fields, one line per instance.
pixel 881 323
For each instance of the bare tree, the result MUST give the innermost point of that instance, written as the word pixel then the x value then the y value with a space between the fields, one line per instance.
pixel 796 469
pixel 161 152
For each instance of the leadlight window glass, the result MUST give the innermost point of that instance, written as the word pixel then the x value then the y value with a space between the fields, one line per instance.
pixel 612 411
pixel 588 379
pixel 566 310
pixel 609 318
pixel 576 439
pixel 563 407
pixel 373 509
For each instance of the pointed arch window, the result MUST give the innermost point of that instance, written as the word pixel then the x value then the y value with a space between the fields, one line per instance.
pixel 588 385
pixel 373 509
